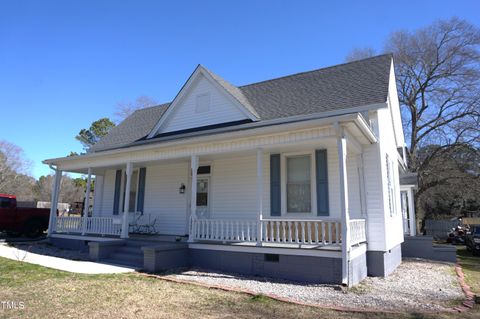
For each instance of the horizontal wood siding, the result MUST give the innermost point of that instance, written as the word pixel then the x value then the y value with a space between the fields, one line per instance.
pixel 221 109
pixel 354 203
pixel 98 195
pixel 163 200
pixel 234 188
pixel 393 224
pixel 374 198
pixel 108 193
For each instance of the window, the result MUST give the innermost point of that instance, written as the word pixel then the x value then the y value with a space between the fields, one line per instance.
pixel 203 170
pixel 5 202
pixel 298 184
pixel 391 186
pixel 202 103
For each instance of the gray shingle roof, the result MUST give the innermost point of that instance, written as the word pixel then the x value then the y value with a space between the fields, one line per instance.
pixel 235 92
pixel 133 128
pixel 343 86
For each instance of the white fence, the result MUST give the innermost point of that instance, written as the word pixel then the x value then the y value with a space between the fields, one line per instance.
pixel 287 231
pixel 95 225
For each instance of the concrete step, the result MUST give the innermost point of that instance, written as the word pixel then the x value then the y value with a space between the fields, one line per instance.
pixel 140 243
pixel 121 262
pixel 134 250
pixel 127 258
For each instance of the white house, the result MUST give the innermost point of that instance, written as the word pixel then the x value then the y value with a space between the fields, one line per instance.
pixel 295 177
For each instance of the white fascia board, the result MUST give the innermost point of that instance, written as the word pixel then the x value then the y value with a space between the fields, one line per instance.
pixel 252 129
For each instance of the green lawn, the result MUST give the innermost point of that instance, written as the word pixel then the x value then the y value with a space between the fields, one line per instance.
pixel 471 268
pixel 49 293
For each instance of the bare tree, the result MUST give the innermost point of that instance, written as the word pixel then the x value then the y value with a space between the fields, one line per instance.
pixel 70 192
pixel 438 81
pixel 359 53
pixel 13 166
pixel 124 109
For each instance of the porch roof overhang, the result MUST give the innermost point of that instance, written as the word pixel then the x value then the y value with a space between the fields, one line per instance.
pixel 253 137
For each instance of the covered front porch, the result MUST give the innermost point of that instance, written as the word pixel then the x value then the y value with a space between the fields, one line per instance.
pixel 236 200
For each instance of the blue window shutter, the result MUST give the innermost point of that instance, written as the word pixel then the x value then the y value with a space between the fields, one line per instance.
pixel 275 190
pixel 321 171
pixel 141 188
pixel 116 196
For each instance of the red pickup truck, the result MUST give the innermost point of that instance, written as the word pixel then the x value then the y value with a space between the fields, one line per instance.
pixel 31 222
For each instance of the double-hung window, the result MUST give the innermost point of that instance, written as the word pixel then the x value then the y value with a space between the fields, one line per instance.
pixel 298 184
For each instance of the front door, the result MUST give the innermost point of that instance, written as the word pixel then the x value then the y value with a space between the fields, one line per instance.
pixel 203 201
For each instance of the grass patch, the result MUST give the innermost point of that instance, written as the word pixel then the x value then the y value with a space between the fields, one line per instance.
pixel 261 298
pixel 471 268
pixel 49 293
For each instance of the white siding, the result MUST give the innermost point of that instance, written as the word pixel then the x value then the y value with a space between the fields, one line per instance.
pixel 108 193
pixel 354 203
pixel 234 193
pixel 221 109
pixel 393 224
pixel 98 195
pixel 374 198
pixel 163 200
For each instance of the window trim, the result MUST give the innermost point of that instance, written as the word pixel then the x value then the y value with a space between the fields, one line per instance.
pixel 313 184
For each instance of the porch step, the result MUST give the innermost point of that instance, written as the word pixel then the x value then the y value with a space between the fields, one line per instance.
pixel 131 258
pixel 133 250
pixel 140 243
pixel 122 262
pixel 128 255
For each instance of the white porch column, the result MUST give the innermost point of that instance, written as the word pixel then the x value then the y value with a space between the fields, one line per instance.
pixel 260 195
pixel 342 160
pixel 52 222
pixel 411 213
pixel 193 197
pixel 126 203
pixel 87 202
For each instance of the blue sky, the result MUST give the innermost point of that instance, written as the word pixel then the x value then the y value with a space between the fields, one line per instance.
pixel 64 64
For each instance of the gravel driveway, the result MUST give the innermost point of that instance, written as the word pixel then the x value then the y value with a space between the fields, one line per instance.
pixel 415 285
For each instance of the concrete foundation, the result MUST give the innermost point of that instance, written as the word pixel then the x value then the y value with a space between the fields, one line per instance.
pixel 297 268
pixel 73 244
pixel 165 256
pixel 383 263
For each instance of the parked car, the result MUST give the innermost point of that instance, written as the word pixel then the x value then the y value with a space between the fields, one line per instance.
pixel 31 222
pixel 473 239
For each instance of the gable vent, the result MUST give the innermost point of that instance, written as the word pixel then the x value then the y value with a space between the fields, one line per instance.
pixel 202 103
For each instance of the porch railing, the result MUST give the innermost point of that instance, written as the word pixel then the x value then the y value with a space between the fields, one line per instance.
pixel 69 224
pixel 286 231
pixel 358 232
pixel 95 225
